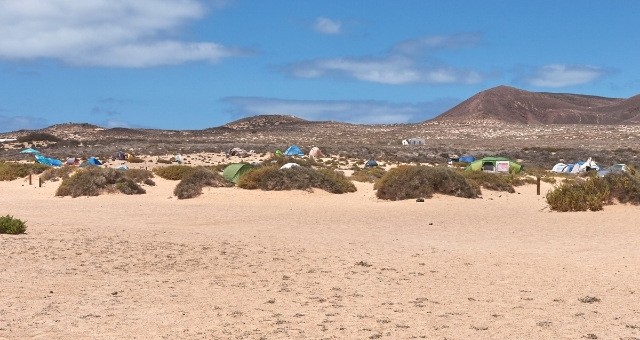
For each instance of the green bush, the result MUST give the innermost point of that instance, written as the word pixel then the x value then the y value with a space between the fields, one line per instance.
pixel 579 195
pixel 10 225
pixel 409 181
pixel 173 172
pixel 191 185
pixel 93 181
pixel 10 171
pixel 367 175
pixel 296 178
pixel 491 181
pixel 139 175
pixel 623 187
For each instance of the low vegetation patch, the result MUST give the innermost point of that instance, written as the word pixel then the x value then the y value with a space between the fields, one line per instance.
pixel 38 136
pixel 10 171
pixel 368 174
pixel 296 178
pixel 55 174
pixel 491 181
pixel 173 172
pixel 94 181
pixel 410 181
pixel 11 225
pixel 593 193
pixel 192 184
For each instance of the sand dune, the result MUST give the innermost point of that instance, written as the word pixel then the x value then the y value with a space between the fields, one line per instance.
pixel 238 264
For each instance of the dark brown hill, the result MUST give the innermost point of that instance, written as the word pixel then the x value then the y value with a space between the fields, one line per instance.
pixel 511 105
pixel 263 121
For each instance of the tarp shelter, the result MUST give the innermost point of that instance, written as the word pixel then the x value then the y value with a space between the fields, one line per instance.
pixel 495 164
pixel 72 161
pixel 234 171
pixel 48 161
pixel 289 166
pixel 370 163
pixel 466 159
pixel 238 152
pixel 315 152
pixel 293 150
pixel 30 151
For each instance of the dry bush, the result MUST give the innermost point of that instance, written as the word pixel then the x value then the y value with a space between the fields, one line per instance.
pixel 191 185
pixel 408 181
pixel 296 178
pixel 368 174
pixel 173 172
pixel 11 171
pixel 38 136
pixel 93 181
pixel 140 176
pixel 491 181
pixel 579 195
pixel 54 174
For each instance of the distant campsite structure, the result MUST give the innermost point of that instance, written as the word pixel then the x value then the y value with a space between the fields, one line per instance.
pixel 413 141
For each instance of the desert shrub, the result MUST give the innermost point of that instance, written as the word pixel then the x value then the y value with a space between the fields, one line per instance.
pixel 38 136
pixel 296 178
pixel 279 161
pixel 173 172
pixel 135 160
pixel 138 175
pixel 407 181
pixel 623 187
pixel 163 161
pixel 10 171
pixel 191 185
pixel 367 175
pixel 11 225
pixel 54 174
pixel 491 181
pixel 93 181
pixel 580 195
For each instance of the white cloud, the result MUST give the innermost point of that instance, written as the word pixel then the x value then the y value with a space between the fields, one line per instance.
pixel 557 75
pixel 392 70
pixel 327 26
pixel 357 112
pixel 118 33
pixel 405 64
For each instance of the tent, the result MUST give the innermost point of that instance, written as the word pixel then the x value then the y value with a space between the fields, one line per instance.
pixel 560 167
pixel 370 163
pixel 237 152
pixel 289 166
pixel 293 150
pixel 494 164
pixel 93 161
pixel 466 159
pixel 278 152
pixel 48 161
pixel 72 161
pixel 234 171
pixel 31 151
pixel 120 156
pixel 315 152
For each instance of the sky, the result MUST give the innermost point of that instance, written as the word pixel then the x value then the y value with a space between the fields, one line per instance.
pixel 195 64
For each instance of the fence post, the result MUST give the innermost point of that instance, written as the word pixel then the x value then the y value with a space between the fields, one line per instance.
pixel 29 178
pixel 39 182
pixel 538 185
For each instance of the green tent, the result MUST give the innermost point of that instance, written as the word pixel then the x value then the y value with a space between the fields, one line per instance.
pixel 233 171
pixel 495 164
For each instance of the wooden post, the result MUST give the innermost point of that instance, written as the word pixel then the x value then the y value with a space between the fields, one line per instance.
pixel 538 185
pixel 39 182
pixel 29 178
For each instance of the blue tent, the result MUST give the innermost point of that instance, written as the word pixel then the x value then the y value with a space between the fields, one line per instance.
pixel 31 151
pixel 467 159
pixel 48 161
pixel 93 161
pixel 293 150
pixel 370 163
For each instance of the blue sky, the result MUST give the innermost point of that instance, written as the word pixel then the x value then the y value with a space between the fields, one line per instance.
pixel 193 64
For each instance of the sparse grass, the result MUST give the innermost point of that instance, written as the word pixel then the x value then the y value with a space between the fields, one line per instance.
pixel 409 182
pixel 296 178
pixel 593 193
pixel 192 184
pixel 10 171
pixel 173 172
pixel 11 225
pixel 94 181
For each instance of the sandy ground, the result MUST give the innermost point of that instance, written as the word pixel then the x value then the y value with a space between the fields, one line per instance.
pixel 239 264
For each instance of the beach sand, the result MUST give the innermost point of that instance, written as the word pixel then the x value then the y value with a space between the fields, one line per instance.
pixel 240 264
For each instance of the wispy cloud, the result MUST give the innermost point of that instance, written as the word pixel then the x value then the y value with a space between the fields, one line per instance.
pixel 14 123
pixel 327 26
pixel 116 33
pixel 405 64
pixel 358 112
pixel 558 75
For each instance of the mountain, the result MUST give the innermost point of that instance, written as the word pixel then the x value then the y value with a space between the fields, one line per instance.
pixel 511 105
pixel 263 121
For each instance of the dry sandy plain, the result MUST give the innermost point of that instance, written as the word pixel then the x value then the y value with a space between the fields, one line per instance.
pixel 240 264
